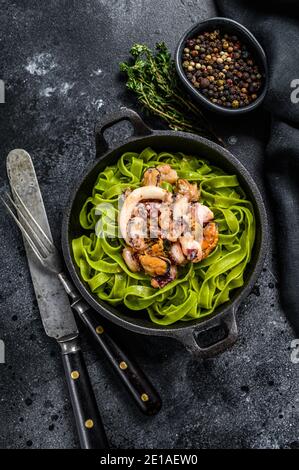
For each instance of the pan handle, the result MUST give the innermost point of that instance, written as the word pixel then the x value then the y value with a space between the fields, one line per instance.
pixel 125 114
pixel 190 338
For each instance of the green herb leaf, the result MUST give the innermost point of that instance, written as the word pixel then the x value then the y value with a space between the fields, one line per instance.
pixel 153 79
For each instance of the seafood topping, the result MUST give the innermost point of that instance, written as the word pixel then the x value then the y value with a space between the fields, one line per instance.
pixel 131 259
pixel 144 193
pixel 155 176
pixel 161 281
pixel 210 238
pixel 164 230
pixel 167 174
pixel 151 177
pixel 190 191
pixel 176 254
pixel 155 265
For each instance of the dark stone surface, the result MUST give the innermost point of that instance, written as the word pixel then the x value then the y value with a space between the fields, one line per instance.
pixel 60 63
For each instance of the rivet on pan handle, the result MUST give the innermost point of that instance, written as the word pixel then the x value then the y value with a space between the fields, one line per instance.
pixel 125 114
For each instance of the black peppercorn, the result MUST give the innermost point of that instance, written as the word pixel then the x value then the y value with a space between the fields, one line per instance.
pixel 222 68
pixel 204 82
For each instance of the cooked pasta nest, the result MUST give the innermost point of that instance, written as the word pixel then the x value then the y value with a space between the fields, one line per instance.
pixel 198 288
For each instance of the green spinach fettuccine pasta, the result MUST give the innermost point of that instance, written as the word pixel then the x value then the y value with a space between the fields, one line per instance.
pixel 199 288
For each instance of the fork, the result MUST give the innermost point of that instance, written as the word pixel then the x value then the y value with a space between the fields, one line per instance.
pixel 46 252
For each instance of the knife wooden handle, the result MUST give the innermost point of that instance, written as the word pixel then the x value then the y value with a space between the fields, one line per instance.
pixel 134 379
pixel 88 420
pixel 129 372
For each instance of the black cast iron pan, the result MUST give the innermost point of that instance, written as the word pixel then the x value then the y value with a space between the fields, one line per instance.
pixel 186 332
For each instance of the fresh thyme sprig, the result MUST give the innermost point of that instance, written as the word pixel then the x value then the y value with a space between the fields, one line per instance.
pixel 153 79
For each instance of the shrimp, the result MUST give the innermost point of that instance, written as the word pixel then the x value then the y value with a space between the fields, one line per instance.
pixel 176 254
pixel 154 176
pixel 166 223
pixel 190 191
pixel 202 213
pixel 167 173
pixel 191 248
pixel 204 238
pixel 181 208
pixel 131 259
pixel 151 177
pixel 210 239
pixel 153 210
pixel 137 232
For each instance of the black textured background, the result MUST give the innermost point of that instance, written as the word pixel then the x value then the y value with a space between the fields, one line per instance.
pixel 59 60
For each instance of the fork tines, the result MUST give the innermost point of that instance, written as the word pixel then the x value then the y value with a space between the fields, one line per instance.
pixel 40 243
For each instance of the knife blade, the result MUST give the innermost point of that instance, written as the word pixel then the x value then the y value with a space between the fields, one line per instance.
pixel 55 310
pixel 53 302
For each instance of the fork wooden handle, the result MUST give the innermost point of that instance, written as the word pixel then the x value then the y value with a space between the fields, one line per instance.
pixel 138 385
pixel 88 420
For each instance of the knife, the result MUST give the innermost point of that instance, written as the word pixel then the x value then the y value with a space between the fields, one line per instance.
pixel 55 310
